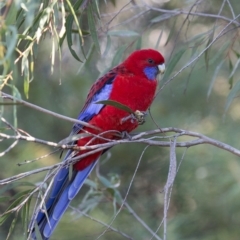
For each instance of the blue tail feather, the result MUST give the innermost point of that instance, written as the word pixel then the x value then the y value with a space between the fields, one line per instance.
pixel 62 193
pixel 63 190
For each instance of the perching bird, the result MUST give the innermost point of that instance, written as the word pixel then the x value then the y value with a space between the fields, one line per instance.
pixel 133 83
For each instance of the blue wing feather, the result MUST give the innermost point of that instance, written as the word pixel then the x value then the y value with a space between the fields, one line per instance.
pixel 100 91
pixel 63 189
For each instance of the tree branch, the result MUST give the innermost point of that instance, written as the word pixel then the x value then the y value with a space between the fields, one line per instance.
pixel 33 106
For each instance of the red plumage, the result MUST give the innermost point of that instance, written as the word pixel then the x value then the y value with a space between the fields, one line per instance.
pixel 132 88
pixel 133 83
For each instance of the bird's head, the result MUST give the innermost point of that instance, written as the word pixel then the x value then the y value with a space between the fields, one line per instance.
pixel 147 62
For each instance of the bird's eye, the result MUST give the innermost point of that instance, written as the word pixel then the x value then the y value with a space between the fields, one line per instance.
pixel 150 61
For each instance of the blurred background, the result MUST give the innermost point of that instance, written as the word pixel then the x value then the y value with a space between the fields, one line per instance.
pixel 203 97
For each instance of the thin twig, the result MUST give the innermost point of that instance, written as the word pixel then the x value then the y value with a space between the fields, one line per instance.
pixel 131 211
pixel 128 190
pixel 25 103
pixel 101 222
pixel 198 56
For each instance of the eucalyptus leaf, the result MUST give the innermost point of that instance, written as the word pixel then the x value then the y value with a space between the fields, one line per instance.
pixel 116 104
pixel 73 138
pixel 11 41
pixel 218 68
pixel 69 23
pixel 233 93
pixel 37 232
pixel 123 33
pixel 15 185
pixel 12 226
pixel 95 8
pixel 173 62
pixel 119 55
pixel 70 172
pixel 12 14
pixel 108 46
pixel 172 31
pixel 92 27
pixel 161 18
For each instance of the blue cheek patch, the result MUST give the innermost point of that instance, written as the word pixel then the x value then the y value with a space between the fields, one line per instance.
pixel 151 72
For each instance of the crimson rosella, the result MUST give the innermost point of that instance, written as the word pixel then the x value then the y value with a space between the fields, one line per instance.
pixel 133 83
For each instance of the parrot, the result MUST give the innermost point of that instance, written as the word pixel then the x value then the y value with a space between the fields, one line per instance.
pixel 132 83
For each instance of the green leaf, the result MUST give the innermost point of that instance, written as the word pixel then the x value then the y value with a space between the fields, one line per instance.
pixel 91 183
pixel 20 18
pixel 37 232
pixel 218 54
pixel 16 92
pixel 25 215
pixel 198 39
pixel 234 69
pixel 88 57
pixel 70 172
pixel 4 199
pixel 22 194
pixel 61 40
pixel 234 91
pixel 95 8
pixel 119 55
pixel 73 138
pixel 113 2
pixel 25 66
pixel 12 14
pixel 11 41
pixel 123 33
pixel 218 68
pixel 116 104
pixel 12 226
pixel 108 46
pixel 172 31
pixel 105 182
pixel 72 10
pixel 139 43
pixel 173 62
pixel 4 217
pixel 18 199
pixel 207 52
pixel 92 28
pixel 236 53
pixel 159 37
pixel 230 80
pixel 15 185
pixel 69 23
pixel 161 18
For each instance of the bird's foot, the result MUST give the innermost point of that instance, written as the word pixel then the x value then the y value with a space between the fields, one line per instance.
pixel 125 134
pixel 138 116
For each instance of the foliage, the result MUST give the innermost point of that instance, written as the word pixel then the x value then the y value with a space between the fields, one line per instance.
pixel 48 52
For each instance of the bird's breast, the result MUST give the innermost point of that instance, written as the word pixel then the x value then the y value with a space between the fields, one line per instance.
pixel 135 92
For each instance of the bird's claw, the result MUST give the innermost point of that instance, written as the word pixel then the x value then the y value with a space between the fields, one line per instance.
pixel 138 116
pixel 126 134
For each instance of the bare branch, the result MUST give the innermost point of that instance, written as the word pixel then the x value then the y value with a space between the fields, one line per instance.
pixel 138 138
pixel 101 222
pixel 131 211
pixel 25 103
pixel 199 14
pixel 128 190
pixel 220 34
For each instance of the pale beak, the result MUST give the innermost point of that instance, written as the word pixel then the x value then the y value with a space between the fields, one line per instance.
pixel 161 68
